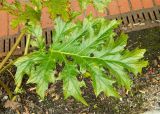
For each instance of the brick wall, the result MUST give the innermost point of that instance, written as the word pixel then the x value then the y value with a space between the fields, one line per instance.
pixel 115 7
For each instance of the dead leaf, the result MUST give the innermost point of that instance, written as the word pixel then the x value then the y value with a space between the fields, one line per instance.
pixel 141 91
pixel 11 104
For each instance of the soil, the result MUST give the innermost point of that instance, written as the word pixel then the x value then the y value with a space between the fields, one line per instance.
pixel 145 94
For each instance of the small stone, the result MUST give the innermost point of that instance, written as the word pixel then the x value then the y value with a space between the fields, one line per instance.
pixel 142 24
pixel 120 99
pixel 135 24
pixel 5 97
pixel 40 100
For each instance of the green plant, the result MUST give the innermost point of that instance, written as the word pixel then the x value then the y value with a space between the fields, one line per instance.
pixel 87 48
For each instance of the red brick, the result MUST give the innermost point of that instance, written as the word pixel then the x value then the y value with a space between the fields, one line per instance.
pixel 136 4
pixel 147 3
pixel 11 30
pixel 10 1
pixel 91 10
pixel 45 19
pixel 124 6
pixel 3 24
pixel 75 5
pixel 113 8
pixel 157 2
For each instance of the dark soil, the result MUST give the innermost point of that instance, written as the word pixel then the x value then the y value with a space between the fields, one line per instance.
pixel 148 39
pixel 144 96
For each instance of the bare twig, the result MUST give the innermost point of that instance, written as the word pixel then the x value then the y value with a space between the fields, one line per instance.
pixel 10 73
pixel 27 44
pixel 7 66
pixel 9 92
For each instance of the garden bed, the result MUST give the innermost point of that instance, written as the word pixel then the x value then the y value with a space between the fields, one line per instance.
pixel 144 96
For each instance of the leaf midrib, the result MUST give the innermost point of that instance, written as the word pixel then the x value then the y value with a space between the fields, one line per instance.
pixel 81 56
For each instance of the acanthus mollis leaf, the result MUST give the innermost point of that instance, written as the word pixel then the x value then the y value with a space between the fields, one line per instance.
pixel 120 73
pixel 24 65
pixel 100 5
pixel 82 48
pixel 38 40
pixel 101 83
pixel 42 74
pixel 84 3
pixel 134 60
pixel 58 8
pixel 39 68
pixel 71 85
pixel 87 43
pixel 29 14
pixel 23 13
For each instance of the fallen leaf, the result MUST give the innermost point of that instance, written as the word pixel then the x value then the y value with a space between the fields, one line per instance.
pixel 11 104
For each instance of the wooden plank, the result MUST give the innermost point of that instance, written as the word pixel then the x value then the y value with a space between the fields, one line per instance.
pixel 1 46
pixel 125 20
pixel 152 15
pixel 147 18
pixel 130 19
pixel 135 17
pixel 141 18
pixel 157 13
pixel 7 45
pixel 23 42
pixel 49 36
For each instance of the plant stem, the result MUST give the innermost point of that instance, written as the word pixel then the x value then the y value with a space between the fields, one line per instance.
pixel 27 44
pixel 12 49
pixel 25 52
pixel 6 89
pixel 5 60
pixel 7 66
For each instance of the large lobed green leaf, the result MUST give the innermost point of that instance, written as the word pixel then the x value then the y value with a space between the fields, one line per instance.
pixel 26 14
pixel 100 5
pixel 71 86
pixel 58 8
pixel 40 69
pixel 91 45
pixel 94 46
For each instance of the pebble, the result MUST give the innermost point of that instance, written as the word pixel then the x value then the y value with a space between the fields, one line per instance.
pixel 5 97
